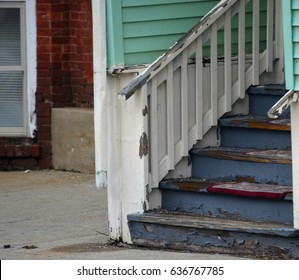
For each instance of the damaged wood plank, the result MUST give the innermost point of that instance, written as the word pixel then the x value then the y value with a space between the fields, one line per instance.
pixel 281 124
pixel 213 223
pixel 251 155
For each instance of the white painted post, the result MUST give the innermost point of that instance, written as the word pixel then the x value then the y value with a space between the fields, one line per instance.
pixel 170 117
pixel 295 161
pixel 256 42
pixel 279 47
pixel 99 65
pixel 228 62
pixel 154 134
pixel 214 76
pixel 199 89
pixel 241 43
pixel 184 96
pixel 270 30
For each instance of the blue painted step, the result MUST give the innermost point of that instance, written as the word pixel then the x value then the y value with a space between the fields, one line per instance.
pixel 262 98
pixel 192 196
pixel 228 164
pixel 213 235
pixel 255 132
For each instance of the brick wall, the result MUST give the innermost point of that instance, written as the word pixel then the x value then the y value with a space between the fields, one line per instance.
pixel 64 77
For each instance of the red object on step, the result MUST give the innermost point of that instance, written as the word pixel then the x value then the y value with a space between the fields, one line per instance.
pixel 251 190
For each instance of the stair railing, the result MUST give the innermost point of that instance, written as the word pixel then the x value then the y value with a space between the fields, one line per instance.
pixel 182 110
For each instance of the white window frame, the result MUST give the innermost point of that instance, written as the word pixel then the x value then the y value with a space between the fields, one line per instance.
pixel 28 56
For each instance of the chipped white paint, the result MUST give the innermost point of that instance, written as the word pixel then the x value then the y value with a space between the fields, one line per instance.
pixel 127 171
pixel 31 65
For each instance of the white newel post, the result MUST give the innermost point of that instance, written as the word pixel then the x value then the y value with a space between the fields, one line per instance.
pixel 127 156
pixel 295 160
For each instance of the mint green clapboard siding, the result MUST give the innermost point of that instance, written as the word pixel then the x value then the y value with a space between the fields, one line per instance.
pixel 139 31
pixel 291 43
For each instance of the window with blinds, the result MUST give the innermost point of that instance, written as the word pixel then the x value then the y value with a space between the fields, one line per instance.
pixel 12 69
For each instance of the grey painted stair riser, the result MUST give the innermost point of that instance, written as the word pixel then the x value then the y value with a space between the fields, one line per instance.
pixel 237 137
pixel 261 99
pixel 204 167
pixel 228 206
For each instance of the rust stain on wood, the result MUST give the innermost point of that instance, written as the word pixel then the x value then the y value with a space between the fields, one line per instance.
pixel 262 123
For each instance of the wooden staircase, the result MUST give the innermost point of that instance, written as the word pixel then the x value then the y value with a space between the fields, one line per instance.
pixel 239 199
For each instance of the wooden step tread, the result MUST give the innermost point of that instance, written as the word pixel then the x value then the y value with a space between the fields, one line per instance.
pixel 252 155
pixel 244 189
pixel 213 223
pixel 281 124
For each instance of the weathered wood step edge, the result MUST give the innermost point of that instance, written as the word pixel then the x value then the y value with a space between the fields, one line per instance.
pixel 250 155
pixel 281 124
pixel 264 242
pixel 202 222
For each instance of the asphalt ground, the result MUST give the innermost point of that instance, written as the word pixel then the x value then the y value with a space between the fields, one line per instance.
pixel 47 215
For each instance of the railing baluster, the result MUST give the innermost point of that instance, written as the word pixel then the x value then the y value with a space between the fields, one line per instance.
pixel 170 117
pixel 278 24
pixel 228 61
pixel 256 42
pixel 270 30
pixel 199 89
pixel 154 134
pixel 214 76
pixel 184 95
pixel 241 50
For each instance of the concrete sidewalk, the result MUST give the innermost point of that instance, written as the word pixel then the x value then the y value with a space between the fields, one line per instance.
pixel 62 215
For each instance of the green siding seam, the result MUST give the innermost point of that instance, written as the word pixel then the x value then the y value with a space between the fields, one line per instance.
pixel 136 3
pixel 288 43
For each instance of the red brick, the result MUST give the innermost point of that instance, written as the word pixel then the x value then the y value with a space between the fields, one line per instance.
pixel 27 150
pixel 5 164
pixel 61 89
pixel 43 40
pixel 23 164
pixel 43 110
pixel 10 150
pixel 44 65
pixel 35 150
pixel 60 24
pixel 60 7
pixel 43 90
pixel 43 74
pixel 43 57
pixel 43 121
pixel 19 151
pixel 2 151
pixel 42 25
pixel 43 7
pixel 45 33
pixel 45 163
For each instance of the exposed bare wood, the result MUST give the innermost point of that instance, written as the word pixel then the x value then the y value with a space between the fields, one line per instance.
pixel 265 156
